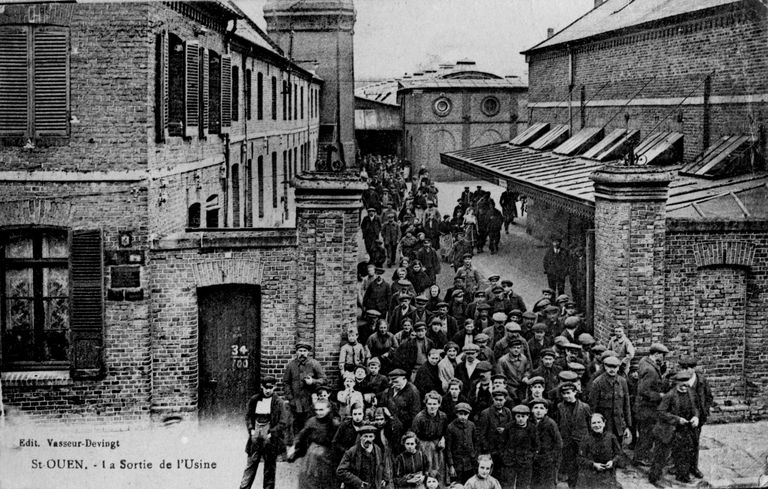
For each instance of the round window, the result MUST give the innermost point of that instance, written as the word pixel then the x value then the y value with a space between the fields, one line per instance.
pixel 442 106
pixel 490 106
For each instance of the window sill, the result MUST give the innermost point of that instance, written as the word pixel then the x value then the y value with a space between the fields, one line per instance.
pixel 36 378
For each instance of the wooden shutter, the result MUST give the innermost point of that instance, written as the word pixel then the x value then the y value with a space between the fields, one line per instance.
pixel 13 81
pixel 87 303
pixel 192 87
pixel 204 90
pixel 226 93
pixel 51 93
pixel 161 91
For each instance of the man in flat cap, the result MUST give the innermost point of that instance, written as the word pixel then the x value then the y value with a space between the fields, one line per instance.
pixel 538 342
pixel 556 266
pixel 547 370
pixel 371 226
pixel 574 421
pixel 650 387
pixel 470 273
pixel 401 311
pixel 377 294
pixel 514 300
pixel 699 385
pixel 421 314
pixel 414 351
pixel 609 396
pixel 512 332
pixel 515 367
pixel 493 281
pixel 299 378
pixel 521 445
pixel 460 438
pixel 679 418
pixel 545 462
pixel 466 370
pixel 491 427
pixel 623 347
pixel 267 421
pixel 496 331
pixel 401 398
pixel 390 231
pixel 364 465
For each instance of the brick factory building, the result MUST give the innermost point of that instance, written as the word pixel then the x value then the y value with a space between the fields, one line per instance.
pixel 646 147
pixel 165 236
pixel 455 107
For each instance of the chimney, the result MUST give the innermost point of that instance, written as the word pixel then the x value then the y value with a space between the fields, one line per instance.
pixel 551 31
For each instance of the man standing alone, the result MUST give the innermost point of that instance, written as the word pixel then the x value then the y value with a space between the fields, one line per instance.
pixel 556 264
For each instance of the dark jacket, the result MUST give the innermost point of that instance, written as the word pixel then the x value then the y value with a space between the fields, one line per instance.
pixel 556 264
pixel 675 409
pixel 574 422
pixel 600 448
pixel 460 443
pixel 377 296
pixel 550 441
pixel 521 444
pixel 704 397
pixel 650 388
pixel 278 422
pixel 350 470
pixel 428 379
pixel 297 392
pixel 489 439
pixel 405 405
pixel 609 396
pixel 407 464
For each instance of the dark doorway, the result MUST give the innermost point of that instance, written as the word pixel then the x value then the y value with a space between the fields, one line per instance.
pixel 229 335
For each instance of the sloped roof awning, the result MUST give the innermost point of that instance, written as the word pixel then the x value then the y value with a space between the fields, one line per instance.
pixel 531 134
pixel 580 142
pixel 556 135
pixel 730 155
pixel 661 148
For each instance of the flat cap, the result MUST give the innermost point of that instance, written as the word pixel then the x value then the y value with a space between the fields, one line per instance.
pixel 494 277
pixel 499 391
pixel 572 322
pixel 373 313
pixel 379 271
pixel 682 376
pixel 516 312
pixel 457 292
pixel 551 309
pixel 507 283
pixel 529 315
pixel 470 347
pixel 547 352
pixel 463 407
pixel 404 295
pixel 539 327
pixel 450 345
pixel 536 380
pixel 542 401
pixel 421 298
pixel 515 342
pixel 576 367
pixel 442 304
pixel 467 255
pixel 687 361
pixel 404 281
pixel 374 361
pixel 512 327
pixel 483 306
pixel 499 317
pixel 566 385
pixel 561 340
pixel 611 361
pixel 572 346
pixel 659 348
pixel 568 376
pixel 484 367
pixel 562 298
pixel 398 372
pixel 303 344
pixel 521 409
pixel 498 376
pixel 269 380
pixel 367 428
pixel 586 339
pixel 598 348
pixel 548 291
pixel 608 353
pixel 482 337
pixel 419 325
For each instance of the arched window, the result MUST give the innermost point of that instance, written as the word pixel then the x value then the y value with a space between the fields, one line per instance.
pixel 212 211
pixel 193 216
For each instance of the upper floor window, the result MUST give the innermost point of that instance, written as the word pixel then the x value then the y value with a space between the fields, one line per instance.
pixel 274 98
pixel 193 215
pixel 34 81
pixel 52 299
pixel 212 211
pixel 248 94
pixel 235 93
pixel 259 96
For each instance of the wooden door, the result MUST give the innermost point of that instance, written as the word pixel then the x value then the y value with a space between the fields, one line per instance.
pixel 229 327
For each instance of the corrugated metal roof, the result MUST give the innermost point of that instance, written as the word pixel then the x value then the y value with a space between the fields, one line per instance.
pixel 727 156
pixel 461 83
pixel 566 180
pixel 580 142
pixel 614 15
pixel 534 132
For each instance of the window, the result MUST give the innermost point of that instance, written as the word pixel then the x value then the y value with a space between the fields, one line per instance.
pixel 295 102
pixel 274 98
pixel 214 104
pixel 260 96
pixel 274 179
pixel 301 98
pixel 248 95
pixel 52 300
pixel 34 81
pixel 287 171
pixel 203 93
pixel 442 106
pixel 286 165
pixel 235 93
pixel 176 86
pixel 260 179
pixel 490 106
pixel 236 196
pixel 295 159
pixel 285 100
pixel 248 193
pixel 212 211
pixel 193 216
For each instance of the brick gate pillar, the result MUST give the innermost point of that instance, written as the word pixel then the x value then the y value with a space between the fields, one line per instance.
pixel 630 230
pixel 327 221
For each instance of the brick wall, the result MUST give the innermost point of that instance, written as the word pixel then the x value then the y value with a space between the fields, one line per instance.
pixel 676 55
pixel 715 281
pixel 546 221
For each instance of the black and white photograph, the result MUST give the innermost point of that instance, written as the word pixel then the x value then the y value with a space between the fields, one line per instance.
pixel 384 244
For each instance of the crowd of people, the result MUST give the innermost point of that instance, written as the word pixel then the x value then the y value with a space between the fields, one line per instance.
pixel 469 388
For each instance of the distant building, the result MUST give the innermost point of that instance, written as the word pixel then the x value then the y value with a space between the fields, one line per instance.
pixel 448 109
pixel 646 150
pixel 161 222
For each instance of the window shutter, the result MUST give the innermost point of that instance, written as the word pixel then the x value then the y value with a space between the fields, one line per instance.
pixel 87 304
pixel 226 93
pixel 51 63
pixel 192 82
pixel 204 90
pixel 161 113
pixel 13 81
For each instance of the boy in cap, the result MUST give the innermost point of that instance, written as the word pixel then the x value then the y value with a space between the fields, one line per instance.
pixel 267 421
pixel 371 227
pixel 375 382
pixel 299 378
pixel 515 367
pixel 538 342
pixel 622 345
pixel 679 418
pixel 492 425
pixel 414 351
pixel 522 443
pixel 460 438
pixel 352 352
pixel 574 421
pixel 484 352
pixel 466 370
pixel 545 462
pixel 536 390
pixel 480 391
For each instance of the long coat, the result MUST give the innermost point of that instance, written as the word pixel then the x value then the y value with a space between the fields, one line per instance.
pixel 460 443
pixel 650 388
pixel 297 392
pixel 350 470
pixel 404 405
pixel 609 396
pixel 556 264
